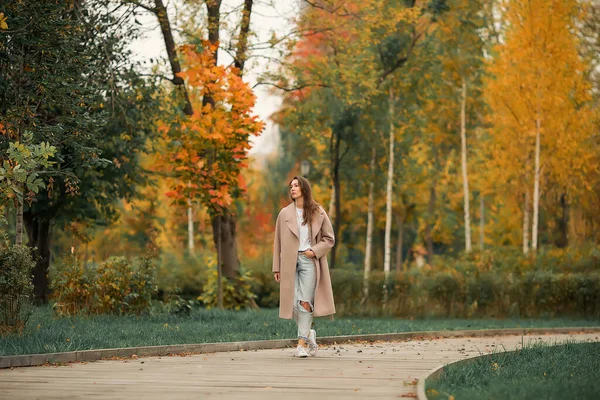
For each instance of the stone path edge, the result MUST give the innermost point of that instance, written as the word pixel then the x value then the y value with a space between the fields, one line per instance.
pixel 30 360
pixel 436 371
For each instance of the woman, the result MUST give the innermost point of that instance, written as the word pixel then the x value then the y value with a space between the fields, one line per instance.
pixel 303 237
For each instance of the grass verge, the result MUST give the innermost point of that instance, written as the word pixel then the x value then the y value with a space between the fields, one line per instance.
pixel 48 334
pixel 570 370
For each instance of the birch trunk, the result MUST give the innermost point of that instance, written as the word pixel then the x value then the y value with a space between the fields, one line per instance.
pixel 536 188
pixel 526 224
pixel 219 267
pixel 390 184
pixel 190 224
pixel 481 221
pixel 463 159
pixel 430 222
pixel 190 228
pixel 370 217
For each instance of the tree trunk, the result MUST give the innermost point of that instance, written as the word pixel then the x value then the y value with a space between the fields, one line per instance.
pixel 19 223
pixel 190 228
pixel 370 217
pixel 242 44
pixel 190 224
pixel 165 26
pixel 463 159
pixel 335 204
pixel 399 242
pixel 481 221
pixel 526 223
pixel 224 235
pixel 430 223
pixel 213 8
pixel 217 229
pixel 563 223
pixel 331 211
pixel 387 248
pixel 38 231
pixel 338 219
pixel 536 188
pixel 389 191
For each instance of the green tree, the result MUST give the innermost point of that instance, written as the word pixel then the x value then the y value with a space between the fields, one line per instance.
pixel 20 176
pixel 67 78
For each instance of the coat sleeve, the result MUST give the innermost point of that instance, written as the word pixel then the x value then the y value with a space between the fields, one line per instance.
pixel 277 245
pixel 327 238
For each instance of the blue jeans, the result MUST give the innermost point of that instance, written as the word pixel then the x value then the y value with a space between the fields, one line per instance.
pixel 306 280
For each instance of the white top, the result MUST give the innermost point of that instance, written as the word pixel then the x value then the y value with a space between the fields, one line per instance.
pixel 303 230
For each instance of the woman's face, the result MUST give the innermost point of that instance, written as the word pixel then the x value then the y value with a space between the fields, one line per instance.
pixel 295 190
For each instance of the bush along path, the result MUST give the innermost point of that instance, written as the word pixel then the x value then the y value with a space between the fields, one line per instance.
pixel 386 370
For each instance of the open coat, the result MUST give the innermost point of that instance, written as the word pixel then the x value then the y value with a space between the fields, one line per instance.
pixel 285 256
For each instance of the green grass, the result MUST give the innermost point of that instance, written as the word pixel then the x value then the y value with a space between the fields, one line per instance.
pixel 48 334
pixel 565 371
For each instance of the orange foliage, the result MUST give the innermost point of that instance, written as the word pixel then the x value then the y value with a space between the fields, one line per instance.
pixel 206 151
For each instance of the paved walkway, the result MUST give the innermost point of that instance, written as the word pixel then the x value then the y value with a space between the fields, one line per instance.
pixel 359 370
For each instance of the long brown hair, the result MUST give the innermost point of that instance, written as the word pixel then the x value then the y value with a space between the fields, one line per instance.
pixel 311 207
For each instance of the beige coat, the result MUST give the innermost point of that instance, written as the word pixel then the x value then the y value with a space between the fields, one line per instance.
pixel 285 255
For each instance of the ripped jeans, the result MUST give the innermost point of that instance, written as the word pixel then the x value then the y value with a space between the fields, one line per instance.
pixel 306 280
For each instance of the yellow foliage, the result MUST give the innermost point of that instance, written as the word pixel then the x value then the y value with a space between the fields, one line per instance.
pixel 538 77
pixel 3 24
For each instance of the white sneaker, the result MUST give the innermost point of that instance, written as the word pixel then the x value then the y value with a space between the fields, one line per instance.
pixel 301 352
pixel 313 347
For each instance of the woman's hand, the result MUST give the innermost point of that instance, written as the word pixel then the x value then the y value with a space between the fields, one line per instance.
pixel 277 276
pixel 310 254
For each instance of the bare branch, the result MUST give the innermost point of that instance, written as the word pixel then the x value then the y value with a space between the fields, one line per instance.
pixel 138 3
pixel 292 89
pixel 165 27
pixel 242 45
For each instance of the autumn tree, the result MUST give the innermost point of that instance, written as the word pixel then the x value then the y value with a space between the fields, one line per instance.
pixel 539 99
pixel 209 11
pixel 347 53
pixel 207 151
pixel 63 78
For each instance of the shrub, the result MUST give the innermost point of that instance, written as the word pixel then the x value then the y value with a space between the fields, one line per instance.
pixel 483 292
pixel 266 289
pixel 123 287
pixel 236 294
pixel 177 305
pixel 182 273
pixel 419 293
pixel 117 286
pixel 588 294
pixel 446 288
pixel 70 284
pixel 16 289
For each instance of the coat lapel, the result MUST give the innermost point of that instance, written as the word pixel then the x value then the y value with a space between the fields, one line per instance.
pixel 292 222
pixel 315 225
pixel 290 219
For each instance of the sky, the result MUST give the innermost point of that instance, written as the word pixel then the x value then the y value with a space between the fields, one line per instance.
pixel 277 17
